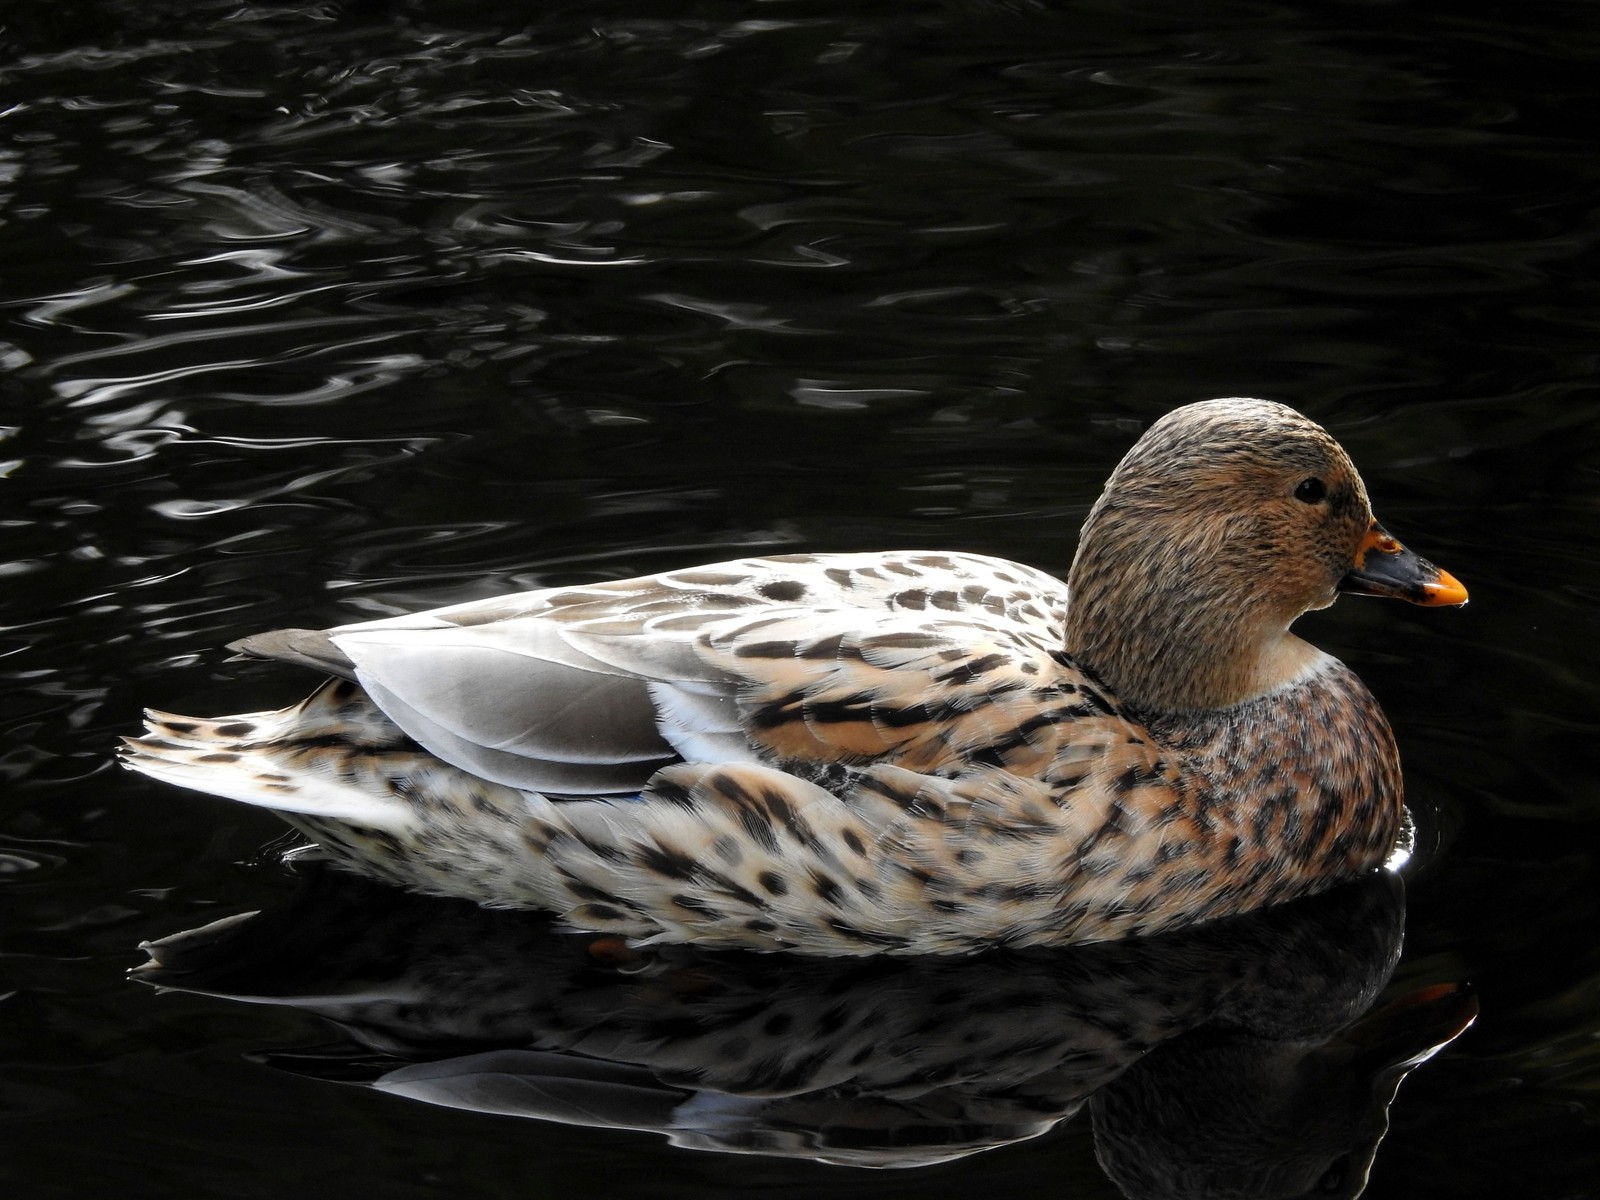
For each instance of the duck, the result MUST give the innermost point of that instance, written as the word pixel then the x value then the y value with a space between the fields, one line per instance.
pixel 905 752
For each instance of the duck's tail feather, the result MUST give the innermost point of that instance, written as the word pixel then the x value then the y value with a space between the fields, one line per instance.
pixel 342 773
pixel 319 758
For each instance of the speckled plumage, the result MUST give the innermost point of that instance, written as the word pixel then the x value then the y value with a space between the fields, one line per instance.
pixel 848 754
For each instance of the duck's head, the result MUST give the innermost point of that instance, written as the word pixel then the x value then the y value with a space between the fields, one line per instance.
pixel 1225 522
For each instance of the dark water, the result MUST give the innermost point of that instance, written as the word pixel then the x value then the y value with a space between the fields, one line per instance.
pixel 320 312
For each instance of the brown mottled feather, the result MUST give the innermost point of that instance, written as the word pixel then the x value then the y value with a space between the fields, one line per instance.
pixel 891 752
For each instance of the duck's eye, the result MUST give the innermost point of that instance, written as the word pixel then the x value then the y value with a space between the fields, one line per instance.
pixel 1310 490
pixel 1333 1178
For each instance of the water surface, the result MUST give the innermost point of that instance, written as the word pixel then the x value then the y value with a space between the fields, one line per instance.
pixel 316 313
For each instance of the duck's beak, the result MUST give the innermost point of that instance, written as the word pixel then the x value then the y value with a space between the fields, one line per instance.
pixel 1383 567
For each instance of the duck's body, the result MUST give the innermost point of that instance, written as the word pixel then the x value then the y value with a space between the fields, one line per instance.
pixel 845 754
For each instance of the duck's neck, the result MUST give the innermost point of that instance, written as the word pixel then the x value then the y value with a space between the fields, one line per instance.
pixel 1170 637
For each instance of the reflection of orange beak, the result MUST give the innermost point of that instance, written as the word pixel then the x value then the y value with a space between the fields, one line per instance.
pixel 1412 1029
pixel 1383 567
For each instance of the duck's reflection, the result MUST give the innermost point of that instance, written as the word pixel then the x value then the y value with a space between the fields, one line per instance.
pixel 1232 1059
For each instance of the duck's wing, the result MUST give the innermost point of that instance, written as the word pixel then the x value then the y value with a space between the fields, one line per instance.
pixel 933 1125
pixel 589 690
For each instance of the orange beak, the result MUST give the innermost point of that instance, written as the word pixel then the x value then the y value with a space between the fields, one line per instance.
pixel 1383 567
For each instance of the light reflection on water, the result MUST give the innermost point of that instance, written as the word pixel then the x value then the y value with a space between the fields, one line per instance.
pixel 322 313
